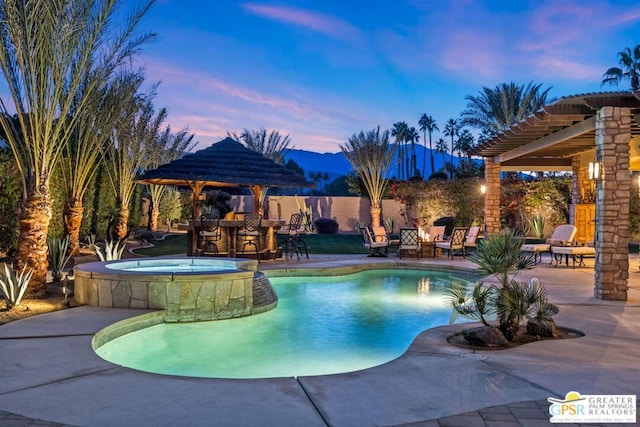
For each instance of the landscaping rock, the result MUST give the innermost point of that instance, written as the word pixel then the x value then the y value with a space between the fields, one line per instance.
pixel 544 329
pixel 486 336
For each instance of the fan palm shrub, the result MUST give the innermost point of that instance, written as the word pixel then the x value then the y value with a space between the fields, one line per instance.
pixel 511 301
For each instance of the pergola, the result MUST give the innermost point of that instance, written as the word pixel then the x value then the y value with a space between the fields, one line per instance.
pixel 601 130
pixel 226 163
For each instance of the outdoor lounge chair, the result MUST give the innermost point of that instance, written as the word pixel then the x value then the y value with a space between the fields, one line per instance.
pixel 470 239
pixel 455 242
pixel 375 243
pixel 563 235
pixel 577 254
pixel 409 241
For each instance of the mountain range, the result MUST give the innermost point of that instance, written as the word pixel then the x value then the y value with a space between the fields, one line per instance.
pixel 336 164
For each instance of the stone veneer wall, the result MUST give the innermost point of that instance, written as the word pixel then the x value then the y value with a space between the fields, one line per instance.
pixel 613 134
pixel 492 197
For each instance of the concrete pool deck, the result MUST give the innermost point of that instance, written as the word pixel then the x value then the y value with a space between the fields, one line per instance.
pixel 49 371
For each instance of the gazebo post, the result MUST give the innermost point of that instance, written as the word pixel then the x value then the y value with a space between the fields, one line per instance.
pixel 196 187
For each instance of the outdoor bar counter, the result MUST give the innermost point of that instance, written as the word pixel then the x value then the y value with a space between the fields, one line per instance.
pixel 231 244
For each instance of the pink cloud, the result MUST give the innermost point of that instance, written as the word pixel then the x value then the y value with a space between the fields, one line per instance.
pixel 325 24
pixel 209 106
pixel 474 54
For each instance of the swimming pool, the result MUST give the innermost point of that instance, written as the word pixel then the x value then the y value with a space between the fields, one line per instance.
pixel 322 325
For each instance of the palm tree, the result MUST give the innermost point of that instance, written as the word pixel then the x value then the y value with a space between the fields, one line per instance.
pixel 442 148
pixel 428 124
pixel 273 146
pixel 451 129
pixel 464 144
pixel 164 148
pixel 82 158
pixel 413 137
pixel 496 110
pixel 47 48
pixel 130 152
pixel 370 154
pixel 399 131
pixel 630 69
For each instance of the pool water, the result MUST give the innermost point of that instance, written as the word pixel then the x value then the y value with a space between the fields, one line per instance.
pixel 322 325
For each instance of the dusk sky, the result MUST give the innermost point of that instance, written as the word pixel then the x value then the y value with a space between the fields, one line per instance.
pixel 323 70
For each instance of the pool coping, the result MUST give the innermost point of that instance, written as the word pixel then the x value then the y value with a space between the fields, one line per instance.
pixel 53 374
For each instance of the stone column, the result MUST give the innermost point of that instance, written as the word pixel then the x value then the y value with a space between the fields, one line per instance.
pixel 613 133
pixel 492 197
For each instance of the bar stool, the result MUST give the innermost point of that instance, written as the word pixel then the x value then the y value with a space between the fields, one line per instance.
pixel 250 233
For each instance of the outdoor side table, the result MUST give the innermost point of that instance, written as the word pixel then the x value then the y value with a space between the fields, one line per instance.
pixel 428 249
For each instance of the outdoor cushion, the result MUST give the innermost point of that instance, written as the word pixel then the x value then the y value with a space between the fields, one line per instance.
pixel 379 233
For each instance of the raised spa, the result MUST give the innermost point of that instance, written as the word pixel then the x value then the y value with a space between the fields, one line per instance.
pixel 187 288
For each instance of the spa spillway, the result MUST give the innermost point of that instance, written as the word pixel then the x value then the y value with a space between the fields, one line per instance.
pixel 187 288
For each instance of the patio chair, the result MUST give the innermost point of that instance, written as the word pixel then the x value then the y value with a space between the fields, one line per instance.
pixel 409 241
pixel 250 232
pixel 209 236
pixel 470 239
pixel 563 235
pixel 436 233
pixel 455 242
pixel 373 244
pixel 289 238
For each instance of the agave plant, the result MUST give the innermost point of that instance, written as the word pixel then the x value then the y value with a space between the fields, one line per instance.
pixel 112 250
pixel 390 225
pixel 536 225
pixel 14 286
pixel 59 254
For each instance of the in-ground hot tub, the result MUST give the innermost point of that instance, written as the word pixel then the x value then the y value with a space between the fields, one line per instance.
pixel 187 288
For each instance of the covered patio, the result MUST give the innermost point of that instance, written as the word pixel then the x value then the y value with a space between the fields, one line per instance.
pixel 596 137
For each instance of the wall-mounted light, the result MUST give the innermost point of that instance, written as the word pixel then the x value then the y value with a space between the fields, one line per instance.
pixel 594 170
pixel 483 189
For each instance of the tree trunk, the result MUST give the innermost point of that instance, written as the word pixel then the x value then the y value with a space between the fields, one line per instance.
pixel 153 217
pixel 433 166
pixel 73 212
pixel 121 227
pixel 375 214
pixel 34 219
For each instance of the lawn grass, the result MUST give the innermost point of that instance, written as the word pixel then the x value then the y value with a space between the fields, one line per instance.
pixel 316 243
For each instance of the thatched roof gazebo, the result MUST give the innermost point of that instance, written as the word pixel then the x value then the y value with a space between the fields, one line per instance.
pixel 225 164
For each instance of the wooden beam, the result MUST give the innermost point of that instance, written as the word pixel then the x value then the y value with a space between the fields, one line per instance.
pixel 548 141
pixel 535 164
